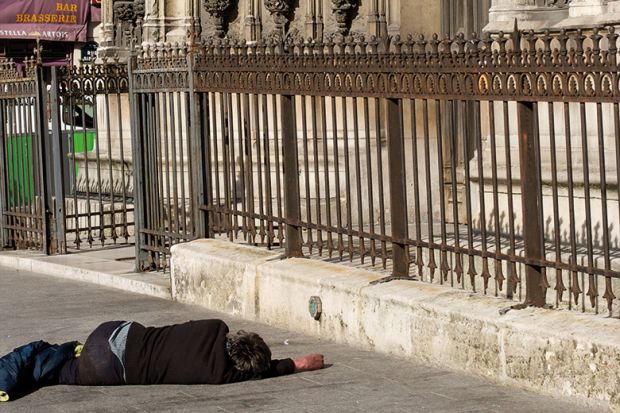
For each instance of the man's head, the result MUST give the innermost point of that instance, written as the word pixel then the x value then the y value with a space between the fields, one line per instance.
pixel 248 352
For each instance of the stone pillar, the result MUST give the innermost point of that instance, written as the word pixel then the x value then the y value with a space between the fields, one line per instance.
pixel 179 20
pixel 107 24
pixel 392 17
pixel 374 20
pixel 253 21
pixel 314 19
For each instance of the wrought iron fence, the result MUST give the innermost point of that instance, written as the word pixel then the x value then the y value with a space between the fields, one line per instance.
pixel 91 131
pixel 64 169
pixel 167 170
pixel 24 197
pixel 491 164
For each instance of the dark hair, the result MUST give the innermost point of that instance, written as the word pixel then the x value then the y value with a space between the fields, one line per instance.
pixel 248 352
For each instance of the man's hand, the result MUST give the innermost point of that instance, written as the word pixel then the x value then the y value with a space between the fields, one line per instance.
pixel 309 362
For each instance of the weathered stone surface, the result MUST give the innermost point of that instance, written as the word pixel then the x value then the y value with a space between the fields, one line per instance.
pixel 551 351
pixel 226 281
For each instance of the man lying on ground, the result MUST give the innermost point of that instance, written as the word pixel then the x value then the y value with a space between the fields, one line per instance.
pixel 124 352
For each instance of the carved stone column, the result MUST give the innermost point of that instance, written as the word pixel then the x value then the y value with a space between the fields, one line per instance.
pixel 314 19
pixel 122 27
pixel 253 24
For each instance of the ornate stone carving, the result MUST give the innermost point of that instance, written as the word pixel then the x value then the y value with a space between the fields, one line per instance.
pixel 281 11
pixel 344 11
pixel 219 10
pixel 128 19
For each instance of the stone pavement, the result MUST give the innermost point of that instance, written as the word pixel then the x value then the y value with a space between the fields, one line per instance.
pixel 35 306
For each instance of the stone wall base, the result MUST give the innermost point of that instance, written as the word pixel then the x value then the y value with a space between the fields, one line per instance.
pixel 555 352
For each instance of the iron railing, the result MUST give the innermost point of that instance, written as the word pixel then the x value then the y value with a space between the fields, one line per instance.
pixel 24 196
pixel 65 173
pixel 490 164
pixel 91 130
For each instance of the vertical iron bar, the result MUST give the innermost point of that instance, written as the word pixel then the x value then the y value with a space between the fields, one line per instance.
pixel 453 136
pixel 381 191
pixel 499 274
pixel 166 195
pixel 513 279
pixel 291 177
pixel 224 117
pixel 119 116
pixel 486 275
pixel 358 179
pixel 608 295
pixel 398 190
pixel 137 153
pixel 276 143
pixel 59 187
pixel 347 171
pixel 112 212
pixel 339 228
pixel 242 157
pixel 268 172
pixel 532 211
pixel 4 175
pixel 432 266
pixel 304 131
pixel 41 125
pixel 328 200
pixel 197 177
pixel 592 293
pixel 443 260
pixel 371 198
pixel 559 283
pixel 416 193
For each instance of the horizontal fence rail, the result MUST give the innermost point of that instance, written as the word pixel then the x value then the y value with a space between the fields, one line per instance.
pixel 487 164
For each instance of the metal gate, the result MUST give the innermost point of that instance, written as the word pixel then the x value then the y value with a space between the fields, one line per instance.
pixel 93 163
pixel 24 196
pixel 168 160
pixel 65 157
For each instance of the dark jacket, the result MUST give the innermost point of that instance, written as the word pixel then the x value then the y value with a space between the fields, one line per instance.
pixel 188 353
pixel 30 367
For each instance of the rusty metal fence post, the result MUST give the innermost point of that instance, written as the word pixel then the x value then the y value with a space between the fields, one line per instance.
pixel 291 178
pixel 137 149
pixel 196 104
pixel 43 161
pixel 532 209
pixel 59 187
pixel 398 189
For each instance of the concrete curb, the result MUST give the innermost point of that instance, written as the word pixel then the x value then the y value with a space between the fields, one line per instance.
pixel 560 353
pixel 106 273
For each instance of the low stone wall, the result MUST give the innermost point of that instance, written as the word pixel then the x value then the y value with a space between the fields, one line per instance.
pixel 555 352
